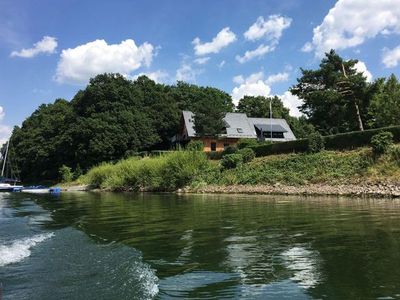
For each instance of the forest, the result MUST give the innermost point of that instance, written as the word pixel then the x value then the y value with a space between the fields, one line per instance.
pixel 114 117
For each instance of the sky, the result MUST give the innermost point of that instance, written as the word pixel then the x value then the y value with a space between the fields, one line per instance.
pixel 49 49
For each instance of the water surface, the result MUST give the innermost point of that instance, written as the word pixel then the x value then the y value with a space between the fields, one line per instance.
pixel 144 246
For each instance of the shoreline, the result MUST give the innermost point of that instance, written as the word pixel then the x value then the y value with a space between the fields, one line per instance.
pixel 381 190
pixel 370 190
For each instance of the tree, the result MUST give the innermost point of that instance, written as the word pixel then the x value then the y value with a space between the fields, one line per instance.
pixel 334 95
pixel 258 107
pixel 384 109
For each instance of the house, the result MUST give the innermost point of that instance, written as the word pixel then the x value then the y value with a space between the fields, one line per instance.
pixel 238 126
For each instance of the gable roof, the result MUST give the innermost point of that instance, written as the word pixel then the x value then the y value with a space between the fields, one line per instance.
pixel 238 125
pixel 288 135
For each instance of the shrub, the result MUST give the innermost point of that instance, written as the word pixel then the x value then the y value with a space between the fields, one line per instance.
pixel 381 142
pixel 283 147
pixel 230 150
pixel 195 146
pixel 230 161
pixel 66 173
pixel 247 154
pixel 214 155
pixel 246 143
pixel 315 143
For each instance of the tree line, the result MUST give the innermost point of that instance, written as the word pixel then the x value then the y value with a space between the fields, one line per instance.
pixel 113 117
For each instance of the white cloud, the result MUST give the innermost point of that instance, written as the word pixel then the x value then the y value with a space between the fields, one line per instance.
pixel 5 130
pixel 202 60
pixel 187 73
pixel 255 85
pixel 279 77
pixel 391 58
pixel 221 64
pixel 77 65
pixel 351 22
pixel 292 102
pixel 361 67
pixel 159 76
pixel 222 40
pixel 308 47
pixel 271 29
pixel 47 44
pixel 260 51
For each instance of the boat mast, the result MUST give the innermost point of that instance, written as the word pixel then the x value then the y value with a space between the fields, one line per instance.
pixel 5 159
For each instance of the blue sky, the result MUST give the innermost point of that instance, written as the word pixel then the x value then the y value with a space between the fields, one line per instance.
pixel 49 49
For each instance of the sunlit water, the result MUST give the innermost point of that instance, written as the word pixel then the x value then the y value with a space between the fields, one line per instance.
pixel 130 246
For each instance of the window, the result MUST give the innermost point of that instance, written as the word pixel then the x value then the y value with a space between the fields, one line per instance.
pixel 239 130
pixel 213 146
pixel 275 135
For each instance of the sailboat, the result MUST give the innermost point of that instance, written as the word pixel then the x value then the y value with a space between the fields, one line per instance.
pixel 5 185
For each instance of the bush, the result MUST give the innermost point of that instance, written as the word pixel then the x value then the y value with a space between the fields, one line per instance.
pixel 66 173
pixel 247 154
pixel 315 143
pixel 246 143
pixel 215 155
pixel 230 150
pixel 381 142
pixel 231 161
pixel 284 147
pixel 195 146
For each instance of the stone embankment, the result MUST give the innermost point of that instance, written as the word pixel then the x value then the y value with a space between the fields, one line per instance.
pixel 361 190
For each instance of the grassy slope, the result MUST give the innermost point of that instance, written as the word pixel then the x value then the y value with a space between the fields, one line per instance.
pixel 179 169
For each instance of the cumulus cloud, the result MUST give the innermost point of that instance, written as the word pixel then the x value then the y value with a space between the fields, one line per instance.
pixel 361 67
pixel 292 102
pixel 202 60
pixel 391 58
pixel 159 76
pixel 260 51
pixel 351 22
pixel 270 29
pixel 47 45
pixel 187 73
pixel 221 40
pixel 77 65
pixel 5 130
pixel 255 85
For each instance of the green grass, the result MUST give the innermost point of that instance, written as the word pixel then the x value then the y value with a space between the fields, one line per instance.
pixel 166 172
pixel 171 171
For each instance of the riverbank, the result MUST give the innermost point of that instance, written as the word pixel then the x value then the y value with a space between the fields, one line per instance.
pixel 354 172
pixel 378 190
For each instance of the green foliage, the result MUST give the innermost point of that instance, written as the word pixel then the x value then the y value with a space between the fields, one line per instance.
pixel 384 108
pixel 258 107
pixel 329 98
pixel 230 150
pixel 66 174
pixel 230 161
pixel 195 145
pixel 247 154
pixel 342 141
pixel 159 173
pixel 315 143
pixel 111 118
pixel 381 142
pixel 295 169
pixel 300 145
pixel 246 143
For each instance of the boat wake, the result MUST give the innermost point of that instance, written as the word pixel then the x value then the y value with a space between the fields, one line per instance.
pixel 20 249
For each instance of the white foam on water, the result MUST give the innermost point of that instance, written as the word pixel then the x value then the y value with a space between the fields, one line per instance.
pixel 20 249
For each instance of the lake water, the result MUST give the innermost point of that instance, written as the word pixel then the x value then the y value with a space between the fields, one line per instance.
pixel 164 246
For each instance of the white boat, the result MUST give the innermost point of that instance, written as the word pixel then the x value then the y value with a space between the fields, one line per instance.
pixel 5 186
pixel 41 190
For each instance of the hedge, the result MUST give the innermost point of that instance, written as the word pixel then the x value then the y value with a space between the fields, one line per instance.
pixel 349 140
